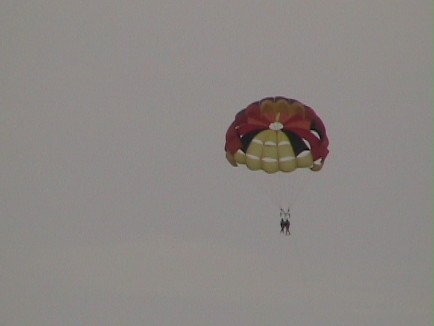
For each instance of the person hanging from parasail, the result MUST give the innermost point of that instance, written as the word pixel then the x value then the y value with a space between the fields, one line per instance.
pixel 284 223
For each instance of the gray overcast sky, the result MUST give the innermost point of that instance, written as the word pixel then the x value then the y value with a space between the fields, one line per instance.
pixel 119 208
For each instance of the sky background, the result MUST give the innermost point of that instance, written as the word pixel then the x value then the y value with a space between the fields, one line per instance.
pixel 118 207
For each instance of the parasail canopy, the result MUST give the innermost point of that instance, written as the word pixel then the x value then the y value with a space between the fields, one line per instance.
pixel 277 134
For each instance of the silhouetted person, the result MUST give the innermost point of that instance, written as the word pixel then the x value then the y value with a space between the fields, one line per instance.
pixel 287 224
